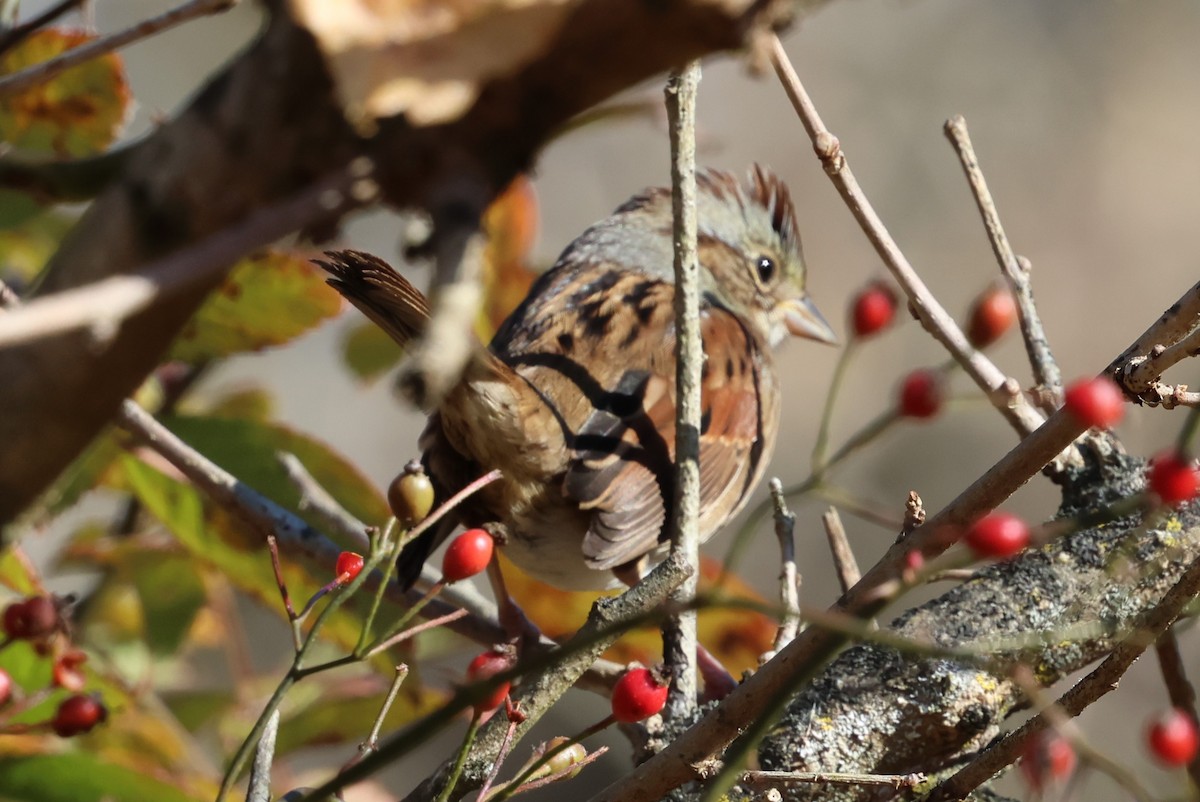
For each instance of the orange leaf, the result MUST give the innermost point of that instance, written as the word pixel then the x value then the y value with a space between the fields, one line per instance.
pixel 735 637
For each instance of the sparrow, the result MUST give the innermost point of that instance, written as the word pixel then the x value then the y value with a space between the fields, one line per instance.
pixel 574 399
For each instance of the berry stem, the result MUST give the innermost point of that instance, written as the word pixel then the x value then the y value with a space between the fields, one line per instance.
pixel 460 760
pixel 510 788
pixel 835 386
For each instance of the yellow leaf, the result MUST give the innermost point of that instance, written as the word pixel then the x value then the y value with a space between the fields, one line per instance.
pixel 76 113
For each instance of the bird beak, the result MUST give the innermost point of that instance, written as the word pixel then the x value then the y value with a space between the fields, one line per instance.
pixel 803 320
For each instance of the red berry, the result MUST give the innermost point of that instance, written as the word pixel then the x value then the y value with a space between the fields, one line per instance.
pixel 467 555
pixel 998 535
pixel 638 695
pixel 487 665
pixel 31 619
pixel 77 714
pixel 1095 402
pixel 913 561
pixel 1173 737
pixel 873 309
pixel 992 314
pixel 921 394
pixel 16 624
pixel 348 566
pixel 6 686
pixel 1173 478
pixel 1047 757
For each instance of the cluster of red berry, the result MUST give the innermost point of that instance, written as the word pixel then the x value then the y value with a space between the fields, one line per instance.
pixel 39 621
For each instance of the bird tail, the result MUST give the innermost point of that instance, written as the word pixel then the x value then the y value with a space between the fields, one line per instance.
pixel 379 292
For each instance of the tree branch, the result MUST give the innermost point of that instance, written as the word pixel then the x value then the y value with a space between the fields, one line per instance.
pixel 679 634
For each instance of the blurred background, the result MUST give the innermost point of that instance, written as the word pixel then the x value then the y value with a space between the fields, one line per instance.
pixel 1084 114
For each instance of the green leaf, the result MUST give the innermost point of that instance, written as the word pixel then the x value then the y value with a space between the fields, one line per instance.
pixel 79 777
pixel 78 112
pixel 265 300
pixel 172 593
pixel 369 352
pixel 249 450
pixel 342 715
pixel 216 539
pixel 82 475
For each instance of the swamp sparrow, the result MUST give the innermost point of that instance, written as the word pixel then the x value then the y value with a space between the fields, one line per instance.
pixel 575 399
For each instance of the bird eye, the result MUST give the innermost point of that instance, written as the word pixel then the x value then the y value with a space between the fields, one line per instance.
pixel 766 269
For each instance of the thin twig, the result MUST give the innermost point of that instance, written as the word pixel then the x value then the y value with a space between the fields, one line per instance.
pixel 102 306
pixel 839 547
pixel 269 518
pixel 40 73
pixel 317 499
pixel 1142 375
pixel 1023 417
pixel 505 746
pixel 264 755
pixel 372 741
pixel 679 634
pixel 1016 270
pixel 771 778
pixel 789 578
pixel 1096 684
pixel 1178 322
pixel 1179 688
pixel 18 33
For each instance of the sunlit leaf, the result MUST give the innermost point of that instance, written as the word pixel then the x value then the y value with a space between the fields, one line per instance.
pixel 28 234
pixel 78 112
pixel 80 777
pixel 249 450
pixel 252 403
pixel 369 352
pixel 265 300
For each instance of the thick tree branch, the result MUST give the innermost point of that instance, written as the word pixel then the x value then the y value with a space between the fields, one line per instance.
pixel 190 179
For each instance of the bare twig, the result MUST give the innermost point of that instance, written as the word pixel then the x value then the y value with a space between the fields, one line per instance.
pixel 317 499
pixel 265 516
pixel 103 305
pixel 1017 411
pixel 679 635
pixel 372 741
pixel 789 578
pixel 1015 269
pixel 264 756
pixel 839 547
pixel 1142 375
pixel 40 73
pixel 1179 688
pixel 1095 685
pixel 1177 323
pixel 760 779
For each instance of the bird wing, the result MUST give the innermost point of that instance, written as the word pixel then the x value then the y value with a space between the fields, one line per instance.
pixel 606 364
